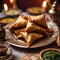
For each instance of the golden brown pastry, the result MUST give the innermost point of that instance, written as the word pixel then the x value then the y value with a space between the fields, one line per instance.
pixel 49 30
pixel 19 36
pixel 31 37
pixel 20 22
pixel 17 32
pixel 31 27
pixel 25 35
pixel 39 20
pixel 25 17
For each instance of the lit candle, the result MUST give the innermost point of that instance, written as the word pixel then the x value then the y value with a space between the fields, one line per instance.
pixel 5 7
pixel 11 1
pixel 44 5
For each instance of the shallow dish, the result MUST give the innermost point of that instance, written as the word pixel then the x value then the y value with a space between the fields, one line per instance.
pixel 35 10
pixel 7 20
pixel 12 12
pixel 50 51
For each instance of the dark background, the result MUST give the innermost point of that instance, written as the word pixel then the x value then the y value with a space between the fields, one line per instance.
pixel 1 6
pixel 23 4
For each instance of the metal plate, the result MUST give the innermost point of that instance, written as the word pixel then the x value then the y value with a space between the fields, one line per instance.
pixel 43 42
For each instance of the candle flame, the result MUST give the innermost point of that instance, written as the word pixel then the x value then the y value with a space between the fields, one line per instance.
pixel 5 7
pixel 11 1
pixel 44 4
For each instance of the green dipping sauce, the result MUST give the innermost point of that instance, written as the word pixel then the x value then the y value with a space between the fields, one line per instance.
pixel 51 55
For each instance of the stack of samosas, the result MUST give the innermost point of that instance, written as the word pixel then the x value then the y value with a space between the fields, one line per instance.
pixel 30 28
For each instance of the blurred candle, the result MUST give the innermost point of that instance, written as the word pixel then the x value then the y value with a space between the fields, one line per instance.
pixel 11 1
pixel 5 7
pixel 51 11
pixel 44 5
pixel 54 4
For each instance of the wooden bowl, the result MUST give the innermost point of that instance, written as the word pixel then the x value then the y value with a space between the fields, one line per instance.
pixel 48 49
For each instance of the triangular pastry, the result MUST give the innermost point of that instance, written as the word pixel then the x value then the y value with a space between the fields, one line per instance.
pixel 25 35
pixel 17 32
pixel 25 17
pixel 31 27
pixel 20 22
pixel 19 36
pixel 31 37
pixel 39 20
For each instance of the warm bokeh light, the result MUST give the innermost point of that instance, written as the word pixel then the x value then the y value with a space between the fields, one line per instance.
pixel 44 4
pixel 11 1
pixel 5 7
pixel 51 11
pixel 54 4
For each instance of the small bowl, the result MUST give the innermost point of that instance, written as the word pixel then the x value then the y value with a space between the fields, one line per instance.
pixel 12 12
pixel 35 10
pixel 7 20
pixel 48 49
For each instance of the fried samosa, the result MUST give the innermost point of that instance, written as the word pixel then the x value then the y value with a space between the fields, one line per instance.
pixel 39 20
pixel 31 37
pixel 20 22
pixel 25 35
pixel 31 27
pixel 19 36
pixel 17 32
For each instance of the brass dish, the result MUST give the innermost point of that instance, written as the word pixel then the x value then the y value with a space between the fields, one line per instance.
pixel 48 49
pixel 7 20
